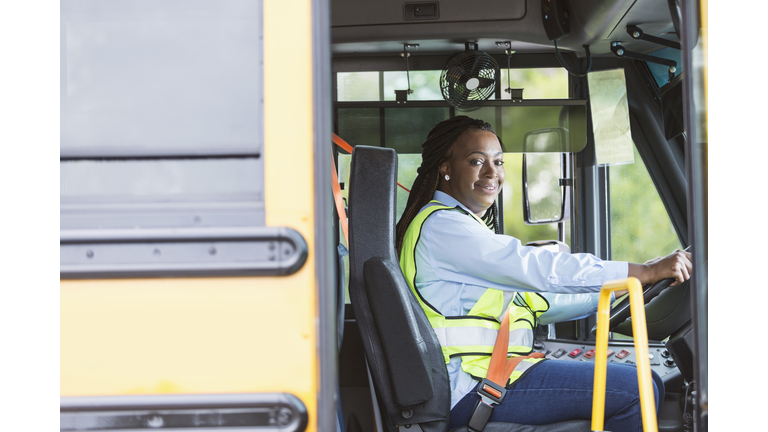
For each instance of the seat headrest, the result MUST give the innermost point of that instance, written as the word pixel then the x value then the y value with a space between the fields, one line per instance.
pixel 373 179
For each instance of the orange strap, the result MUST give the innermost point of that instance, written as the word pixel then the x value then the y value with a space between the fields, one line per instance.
pixel 348 148
pixel 341 143
pixel 337 189
pixel 502 367
pixel 337 198
pixel 339 202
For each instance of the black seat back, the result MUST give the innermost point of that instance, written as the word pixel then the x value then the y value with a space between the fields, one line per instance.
pixel 400 346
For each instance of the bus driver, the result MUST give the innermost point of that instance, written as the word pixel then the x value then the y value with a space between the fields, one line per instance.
pixel 461 269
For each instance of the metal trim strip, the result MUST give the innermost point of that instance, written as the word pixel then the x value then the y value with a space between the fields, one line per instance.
pixel 283 412
pixel 444 104
pixel 288 263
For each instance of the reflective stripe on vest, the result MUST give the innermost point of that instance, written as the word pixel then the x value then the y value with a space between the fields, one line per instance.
pixel 472 336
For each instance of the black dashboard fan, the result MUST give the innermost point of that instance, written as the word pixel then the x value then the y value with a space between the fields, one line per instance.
pixel 469 78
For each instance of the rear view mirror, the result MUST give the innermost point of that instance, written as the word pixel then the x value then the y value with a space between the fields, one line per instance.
pixel 543 171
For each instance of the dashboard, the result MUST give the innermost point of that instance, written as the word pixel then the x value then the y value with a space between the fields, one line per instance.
pixel 661 360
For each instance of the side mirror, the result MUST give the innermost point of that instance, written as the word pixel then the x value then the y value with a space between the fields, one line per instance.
pixel 544 194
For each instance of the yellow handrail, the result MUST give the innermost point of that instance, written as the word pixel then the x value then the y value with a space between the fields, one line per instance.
pixel 640 332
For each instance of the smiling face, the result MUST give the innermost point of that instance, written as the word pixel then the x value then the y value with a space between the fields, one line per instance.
pixel 475 169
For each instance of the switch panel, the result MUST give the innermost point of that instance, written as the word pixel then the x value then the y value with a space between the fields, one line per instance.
pixel 421 11
pixel 559 350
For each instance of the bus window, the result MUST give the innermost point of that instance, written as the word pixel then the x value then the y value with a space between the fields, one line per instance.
pixel 538 83
pixel 542 83
pixel 640 226
pixel 358 86
pixel 407 164
pixel 405 128
pixel 425 84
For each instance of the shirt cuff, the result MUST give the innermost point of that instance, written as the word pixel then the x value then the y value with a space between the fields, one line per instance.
pixel 615 270
pixel 595 297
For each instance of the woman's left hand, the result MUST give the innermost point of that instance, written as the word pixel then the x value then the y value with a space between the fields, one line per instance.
pixel 676 265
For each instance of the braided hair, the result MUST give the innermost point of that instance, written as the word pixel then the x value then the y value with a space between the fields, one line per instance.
pixel 435 151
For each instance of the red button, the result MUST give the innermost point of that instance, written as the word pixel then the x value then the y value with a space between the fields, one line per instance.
pixel 622 354
pixel 589 354
pixel 574 353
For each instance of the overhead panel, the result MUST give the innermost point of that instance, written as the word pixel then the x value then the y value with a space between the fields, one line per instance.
pixel 376 12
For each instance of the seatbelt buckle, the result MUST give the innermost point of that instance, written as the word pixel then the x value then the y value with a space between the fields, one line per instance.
pixel 480 416
pixel 491 394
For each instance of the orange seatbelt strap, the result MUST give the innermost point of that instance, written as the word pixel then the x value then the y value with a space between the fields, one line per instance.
pixel 501 367
pixel 341 143
pixel 492 389
pixel 337 188
pixel 345 145
pixel 337 198
pixel 339 202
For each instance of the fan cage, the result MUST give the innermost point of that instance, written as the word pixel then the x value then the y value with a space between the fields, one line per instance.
pixel 459 72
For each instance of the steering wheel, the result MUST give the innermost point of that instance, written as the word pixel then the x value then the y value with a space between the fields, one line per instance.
pixel 621 311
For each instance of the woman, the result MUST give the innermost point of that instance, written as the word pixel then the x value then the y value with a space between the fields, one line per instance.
pixel 466 276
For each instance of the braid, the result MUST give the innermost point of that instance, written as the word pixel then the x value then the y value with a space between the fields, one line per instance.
pixel 435 151
pixel 491 218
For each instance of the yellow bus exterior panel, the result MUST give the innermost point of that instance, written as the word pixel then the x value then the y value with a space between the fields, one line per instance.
pixel 198 335
pixel 217 335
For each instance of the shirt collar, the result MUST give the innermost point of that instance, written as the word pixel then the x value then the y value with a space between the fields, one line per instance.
pixel 450 201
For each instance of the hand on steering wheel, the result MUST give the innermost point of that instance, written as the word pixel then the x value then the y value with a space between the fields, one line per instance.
pixel 676 265
pixel 673 269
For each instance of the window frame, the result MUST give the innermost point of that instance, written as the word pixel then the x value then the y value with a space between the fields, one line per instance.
pixel 418 62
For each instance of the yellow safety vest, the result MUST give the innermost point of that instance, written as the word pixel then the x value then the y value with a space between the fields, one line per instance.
pixel 472 336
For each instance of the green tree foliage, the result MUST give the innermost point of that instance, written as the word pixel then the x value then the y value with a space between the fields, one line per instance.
pixel 640 225
pixel 357 86
pixel 548 83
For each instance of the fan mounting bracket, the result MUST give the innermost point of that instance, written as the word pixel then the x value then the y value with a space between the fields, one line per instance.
pixel 515 94
pixel 401 96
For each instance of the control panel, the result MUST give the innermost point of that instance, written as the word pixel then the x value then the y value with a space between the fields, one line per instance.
pixel 661 360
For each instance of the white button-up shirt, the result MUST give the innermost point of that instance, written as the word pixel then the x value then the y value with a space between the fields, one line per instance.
pixel 458 258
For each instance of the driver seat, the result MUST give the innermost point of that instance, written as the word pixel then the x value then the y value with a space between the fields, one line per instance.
pixel 404 357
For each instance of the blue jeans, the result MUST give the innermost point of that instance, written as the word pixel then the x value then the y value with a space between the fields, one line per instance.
pixel 556 391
